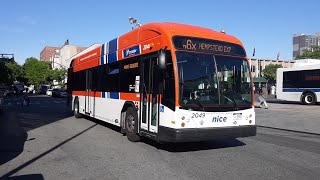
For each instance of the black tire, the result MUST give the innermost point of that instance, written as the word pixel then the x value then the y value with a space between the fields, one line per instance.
pixel 308 99
pixel 76 109
pixel 131 122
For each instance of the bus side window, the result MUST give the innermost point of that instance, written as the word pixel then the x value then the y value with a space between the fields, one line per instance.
pixel 110 77
pixel 129 70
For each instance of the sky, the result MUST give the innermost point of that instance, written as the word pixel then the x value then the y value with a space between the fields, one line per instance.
pixel 26 27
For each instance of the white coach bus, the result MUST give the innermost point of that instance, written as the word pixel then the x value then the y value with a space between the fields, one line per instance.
pixel 299 84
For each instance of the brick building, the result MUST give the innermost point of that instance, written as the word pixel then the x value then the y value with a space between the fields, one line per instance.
pixel 49 52
pixel 58 55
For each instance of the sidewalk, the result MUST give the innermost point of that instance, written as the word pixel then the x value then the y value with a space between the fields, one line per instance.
pixel 289 115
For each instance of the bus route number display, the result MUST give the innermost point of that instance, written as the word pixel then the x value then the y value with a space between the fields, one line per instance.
pixel 207 45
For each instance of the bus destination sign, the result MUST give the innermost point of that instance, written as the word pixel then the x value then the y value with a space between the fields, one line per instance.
pixel 207 45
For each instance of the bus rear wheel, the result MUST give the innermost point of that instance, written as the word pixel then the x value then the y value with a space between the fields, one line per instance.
pixel 131 123
pixel 308 99
pixel 76 109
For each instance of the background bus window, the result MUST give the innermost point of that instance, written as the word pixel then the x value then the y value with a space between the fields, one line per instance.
pixel 301 79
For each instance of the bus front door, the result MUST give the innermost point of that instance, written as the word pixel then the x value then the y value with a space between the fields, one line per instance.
pixel 149 95
pixel 88 100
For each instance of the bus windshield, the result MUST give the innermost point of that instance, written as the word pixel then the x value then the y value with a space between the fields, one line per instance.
pixel 207 80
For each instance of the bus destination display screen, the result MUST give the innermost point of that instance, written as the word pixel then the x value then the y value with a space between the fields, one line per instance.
pixel 207 45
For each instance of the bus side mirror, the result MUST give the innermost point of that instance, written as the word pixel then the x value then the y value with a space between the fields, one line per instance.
pixel 162 60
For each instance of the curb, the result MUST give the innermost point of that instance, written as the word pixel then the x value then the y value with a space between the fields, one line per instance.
pixel 303 132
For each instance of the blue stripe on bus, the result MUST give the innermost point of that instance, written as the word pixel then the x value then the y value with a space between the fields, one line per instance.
pixel 112 57
pixel 300 90
pixel 114 95
pixel 113 45
pixel 103 94
pixel 102 55
pixel 105 58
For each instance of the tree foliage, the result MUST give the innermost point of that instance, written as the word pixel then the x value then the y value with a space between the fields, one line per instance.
pixel 270 72
pixel 16 72
pixel 4 74
pixel 40 72
pixel 312 53
pixel 56 74
pixel 32 72
pixel 37 72
pixel 11 72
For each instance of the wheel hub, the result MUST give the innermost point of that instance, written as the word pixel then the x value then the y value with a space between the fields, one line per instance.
pixel 130 123
pixel 309 99
pixel 76 108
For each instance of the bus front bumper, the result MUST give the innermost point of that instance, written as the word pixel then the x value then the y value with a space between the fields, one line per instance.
pixel 166 134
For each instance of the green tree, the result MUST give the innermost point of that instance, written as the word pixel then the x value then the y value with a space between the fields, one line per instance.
pixel 4 74
pixel 270 72
pixel 56 74
pixel 16 72
pixel 37 72
pixel 312 53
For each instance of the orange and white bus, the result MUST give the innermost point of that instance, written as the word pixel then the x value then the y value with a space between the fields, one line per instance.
pixel 169 82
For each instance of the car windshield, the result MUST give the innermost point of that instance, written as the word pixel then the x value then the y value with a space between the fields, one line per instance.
pixel 206 81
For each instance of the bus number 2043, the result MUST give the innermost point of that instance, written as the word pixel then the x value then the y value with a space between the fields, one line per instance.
pixel 198 115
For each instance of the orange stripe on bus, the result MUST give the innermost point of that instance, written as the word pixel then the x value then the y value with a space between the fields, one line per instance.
pixel 85 93
pixel 129 96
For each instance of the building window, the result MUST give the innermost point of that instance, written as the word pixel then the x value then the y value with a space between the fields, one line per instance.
pixel 253 68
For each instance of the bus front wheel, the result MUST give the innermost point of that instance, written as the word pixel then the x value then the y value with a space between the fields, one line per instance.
pixel 308 99
pixel 131 122
pixel 76 109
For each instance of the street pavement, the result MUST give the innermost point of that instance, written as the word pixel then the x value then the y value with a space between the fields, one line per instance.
pixel 58 146
pixel 289 115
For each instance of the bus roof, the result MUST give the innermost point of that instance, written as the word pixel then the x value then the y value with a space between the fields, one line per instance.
pixel 301 68
pixel 194 31
pixel 143 40
pixel 170 29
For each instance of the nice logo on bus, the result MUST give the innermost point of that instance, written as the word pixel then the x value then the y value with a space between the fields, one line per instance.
pixel 219 119
pixel 131 51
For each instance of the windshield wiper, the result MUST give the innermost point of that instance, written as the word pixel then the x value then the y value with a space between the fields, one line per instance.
pixel 200 104
pixel 232 100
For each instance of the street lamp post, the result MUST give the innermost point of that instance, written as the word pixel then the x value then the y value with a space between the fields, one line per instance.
pixel 134 23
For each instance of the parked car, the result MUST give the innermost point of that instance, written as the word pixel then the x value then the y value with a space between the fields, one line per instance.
pixel 43 89
pixel 59 93
pixel 56 93
pixel 3 92
pixel 18 88
pixel 49 92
